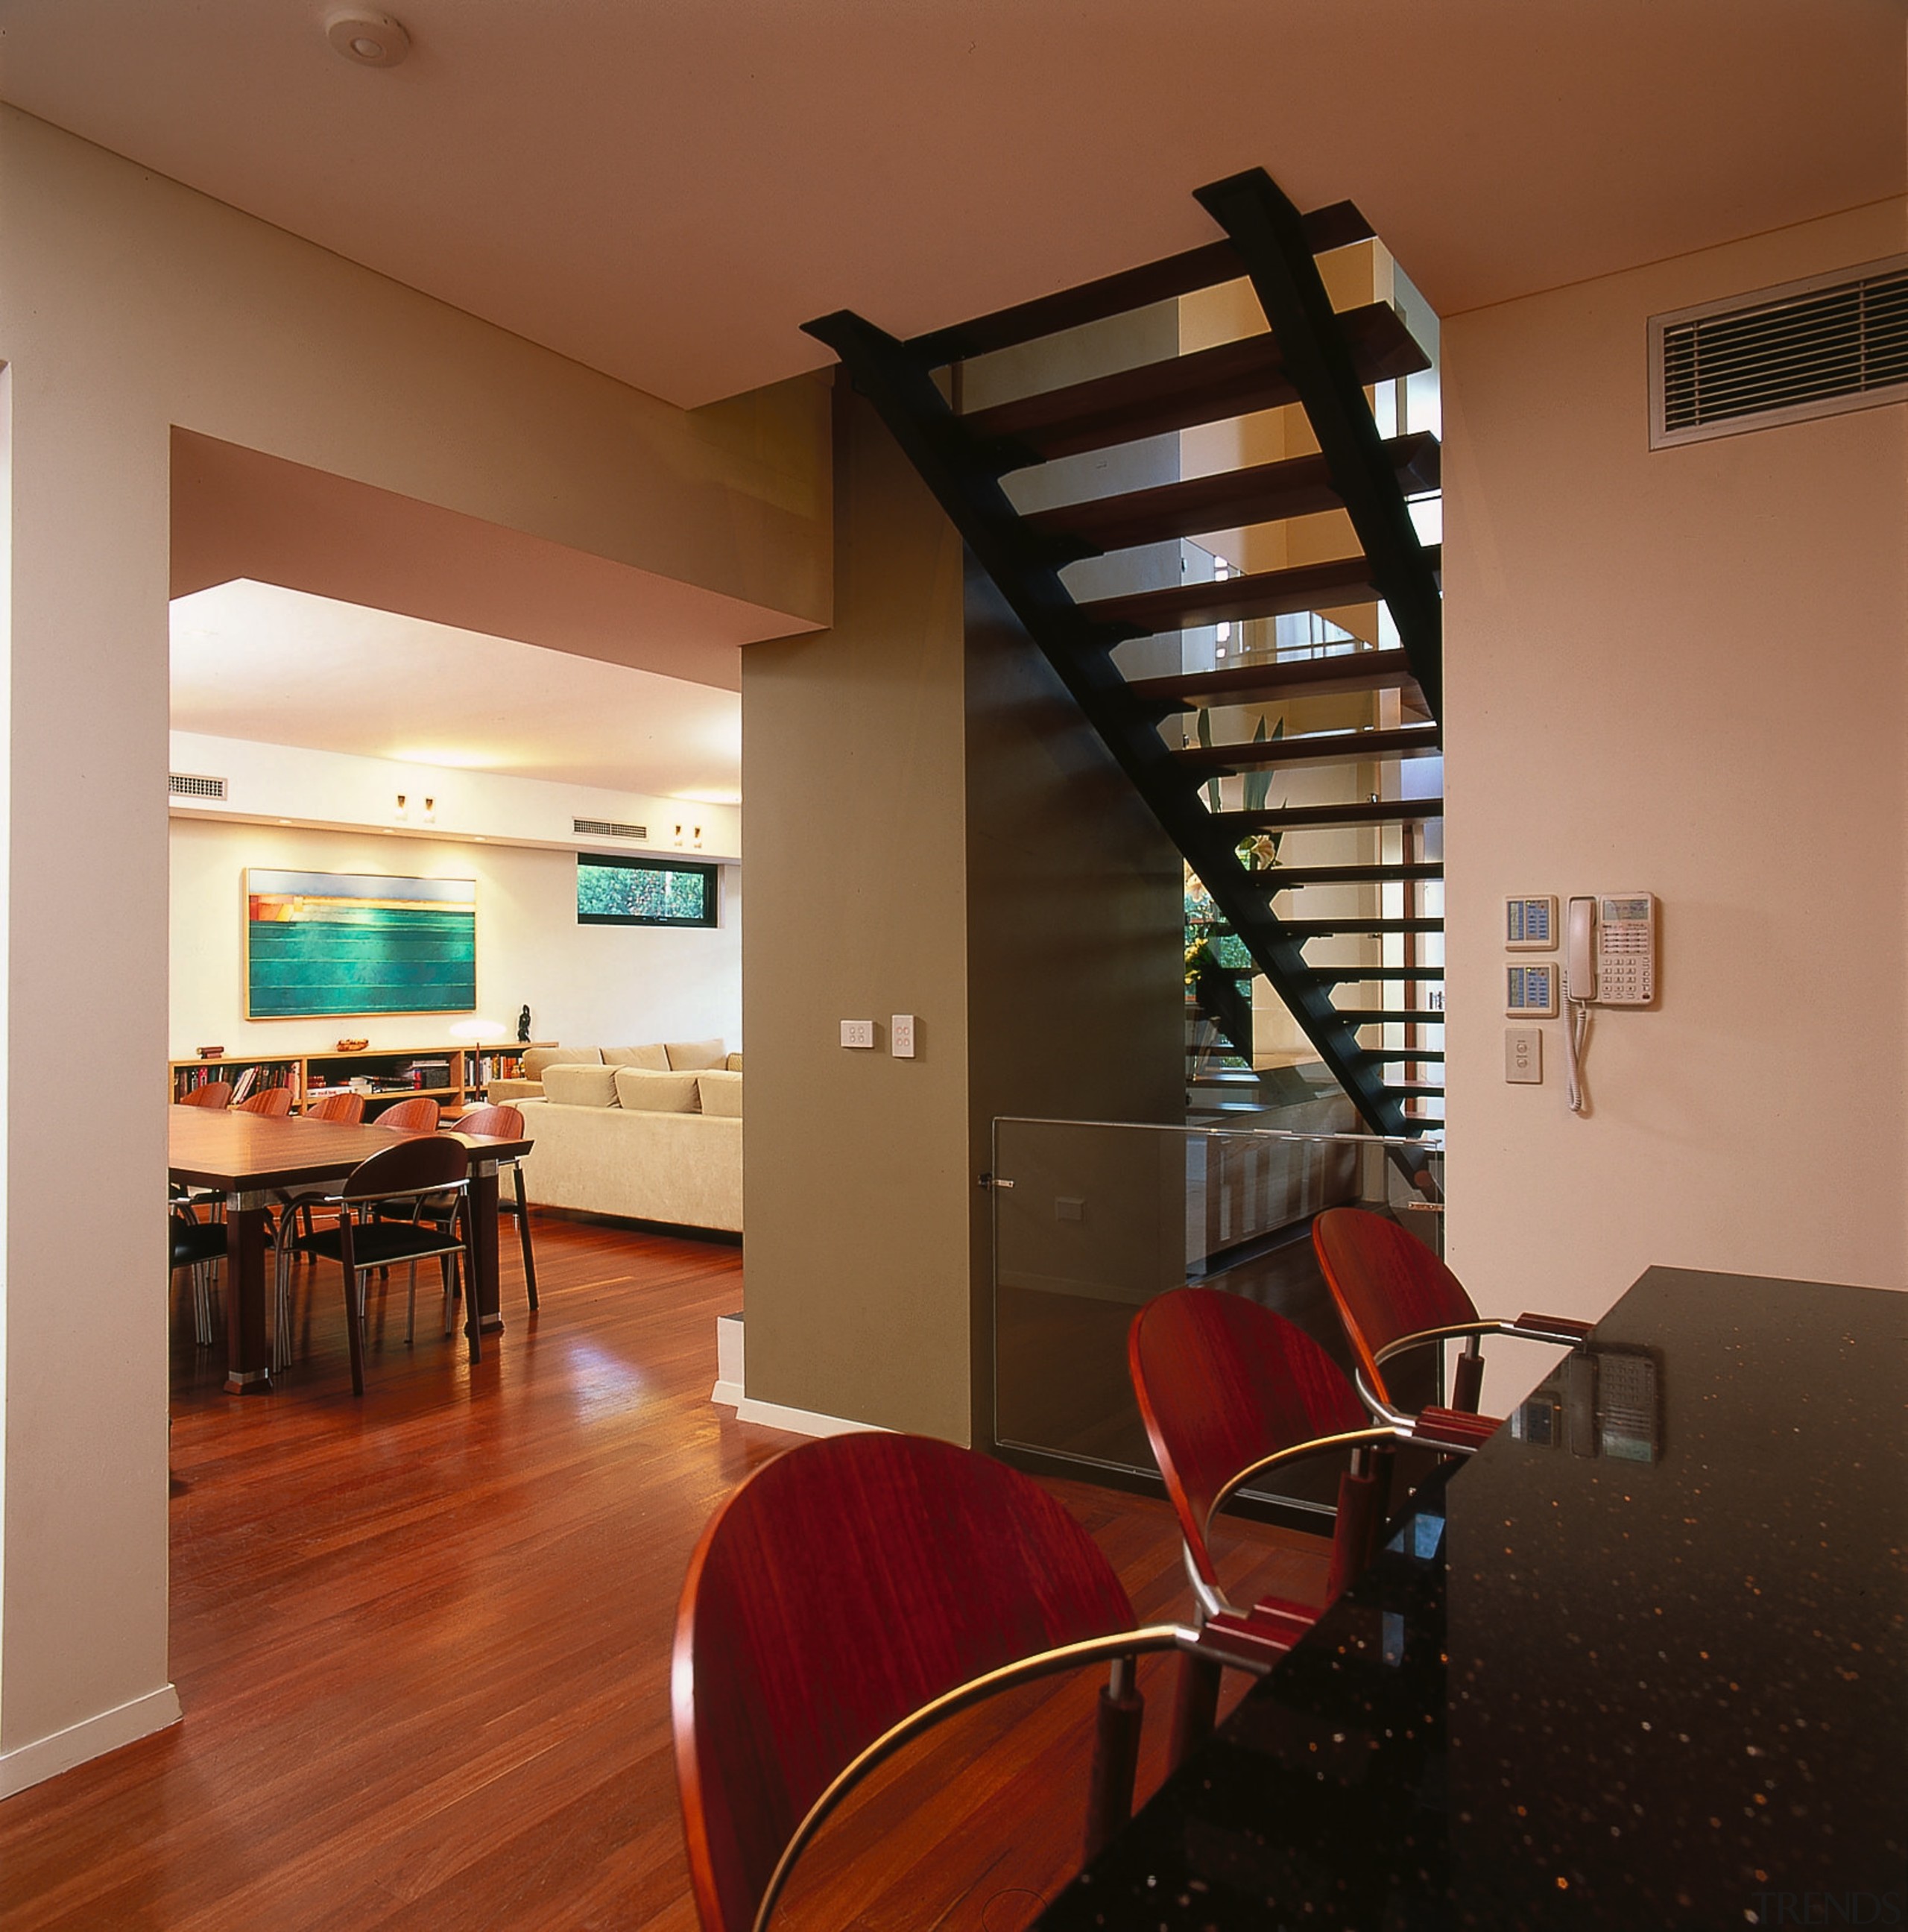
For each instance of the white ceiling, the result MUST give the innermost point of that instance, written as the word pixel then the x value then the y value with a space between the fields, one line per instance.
pixel 253 661
pixel 665 190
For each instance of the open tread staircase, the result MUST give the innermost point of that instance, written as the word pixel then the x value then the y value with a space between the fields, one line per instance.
pixel 1309 355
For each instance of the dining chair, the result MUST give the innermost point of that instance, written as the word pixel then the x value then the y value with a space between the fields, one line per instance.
pixel 410 1170
pixel 347 1109
pixel 215 1093
pixel 274 1103
pixel 418 1115
pixel 1393 1293
pixel 199 1245
pixel 850 1594
pixel 505 1122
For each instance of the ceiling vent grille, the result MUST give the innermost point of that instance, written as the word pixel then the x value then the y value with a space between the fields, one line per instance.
pixel 607 828
pixel 1810 349
pixel 194 785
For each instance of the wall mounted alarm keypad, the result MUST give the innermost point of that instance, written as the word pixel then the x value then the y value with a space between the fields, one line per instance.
pixel 1531 991
pixel 1530 925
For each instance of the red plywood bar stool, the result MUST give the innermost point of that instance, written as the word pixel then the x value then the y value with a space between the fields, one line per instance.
pixel 1393 1293
pixel 849 1595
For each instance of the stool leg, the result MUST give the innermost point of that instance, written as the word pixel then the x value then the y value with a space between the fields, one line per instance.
pixel 1196 1706
pixel 1116 1756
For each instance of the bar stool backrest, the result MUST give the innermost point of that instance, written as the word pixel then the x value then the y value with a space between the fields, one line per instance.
pixel 1387 1283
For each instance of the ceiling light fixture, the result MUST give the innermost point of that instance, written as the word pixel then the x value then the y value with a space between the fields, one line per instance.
pixel 367 39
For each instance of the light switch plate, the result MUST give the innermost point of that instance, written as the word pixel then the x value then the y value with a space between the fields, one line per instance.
pixel 857 1032
pixel 901 1036
pixel 1523 1056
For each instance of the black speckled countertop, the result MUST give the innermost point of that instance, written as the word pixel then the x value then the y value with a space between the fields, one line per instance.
pixel 1640 1662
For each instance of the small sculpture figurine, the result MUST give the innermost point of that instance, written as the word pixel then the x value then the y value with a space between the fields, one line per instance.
pixel 524 1025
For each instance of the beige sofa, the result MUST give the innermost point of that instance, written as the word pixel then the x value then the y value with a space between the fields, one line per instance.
pixel 675 1056
pixel 648 1143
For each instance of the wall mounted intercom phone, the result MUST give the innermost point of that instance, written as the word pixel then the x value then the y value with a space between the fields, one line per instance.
pixel 1609 960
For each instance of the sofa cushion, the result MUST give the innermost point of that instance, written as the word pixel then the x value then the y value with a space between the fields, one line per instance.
pixel 721 1094
pixel 692 1056
pixel 581 1086
pixel 643 1091
pixel 655 1058
pixel 734 1062
pixel 536 1058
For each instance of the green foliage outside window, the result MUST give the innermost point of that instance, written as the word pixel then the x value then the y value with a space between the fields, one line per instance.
pixel 618 892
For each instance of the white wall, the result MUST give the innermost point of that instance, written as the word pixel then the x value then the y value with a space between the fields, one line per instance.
pixel 129 306
pixel 340 792
pixel 1681 670
pixel 587 984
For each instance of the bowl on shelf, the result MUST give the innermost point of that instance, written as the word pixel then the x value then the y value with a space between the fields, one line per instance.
pixel 210 1052
pixel 353 1045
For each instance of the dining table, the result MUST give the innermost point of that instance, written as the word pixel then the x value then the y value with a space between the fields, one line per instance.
pixel 247 1159
pixel 1640 1661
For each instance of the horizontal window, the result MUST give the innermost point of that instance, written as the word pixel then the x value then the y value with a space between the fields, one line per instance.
pixel 644 892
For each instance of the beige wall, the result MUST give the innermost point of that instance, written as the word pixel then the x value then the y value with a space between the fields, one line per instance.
pixel 1681 670
pixel 129 306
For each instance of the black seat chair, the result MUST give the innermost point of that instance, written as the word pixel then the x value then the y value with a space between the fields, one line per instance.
pixel 200 1246
pixel 410 1172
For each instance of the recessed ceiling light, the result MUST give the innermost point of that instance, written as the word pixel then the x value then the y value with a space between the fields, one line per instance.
pixel 368 39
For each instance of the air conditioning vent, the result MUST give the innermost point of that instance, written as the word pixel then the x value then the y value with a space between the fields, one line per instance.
pixel 607 828
pixel 192 784
pixel 1809 349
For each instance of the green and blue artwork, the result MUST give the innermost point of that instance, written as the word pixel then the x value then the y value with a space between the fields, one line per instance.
pixel 345 944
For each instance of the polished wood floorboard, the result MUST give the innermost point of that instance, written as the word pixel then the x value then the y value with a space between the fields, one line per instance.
pixel 422 1642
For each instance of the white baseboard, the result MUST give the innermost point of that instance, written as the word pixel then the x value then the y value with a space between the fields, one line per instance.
pixel 92 1737
pixel 728 1361
pixel 800 1421
pixel 728 1391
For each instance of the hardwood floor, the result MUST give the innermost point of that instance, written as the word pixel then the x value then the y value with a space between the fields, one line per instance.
pixel 422 1641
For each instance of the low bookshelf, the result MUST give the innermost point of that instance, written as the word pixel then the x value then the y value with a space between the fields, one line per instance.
pixel 454 1076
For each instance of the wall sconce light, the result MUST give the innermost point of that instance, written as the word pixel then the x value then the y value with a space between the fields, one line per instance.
pixel 698 839
pixel 403 810
pixel 430 812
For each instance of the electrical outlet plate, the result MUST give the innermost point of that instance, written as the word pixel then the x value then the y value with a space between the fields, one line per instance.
pixel 857 1032
pixel 901 1036
pixel 1523 1056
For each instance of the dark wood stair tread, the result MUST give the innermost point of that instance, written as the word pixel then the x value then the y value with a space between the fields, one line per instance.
pixel 1331 676
pixel 1265 593
pixel 1413 1090
pixel 1232 379
pixel 1419 741
pixel 1384 1056
pixel 1365 1016
pixel 1303 929
pixel 1335 976
pixel 1355 811
pixel 1294 878
pixel 1337 225
pixel 1300 486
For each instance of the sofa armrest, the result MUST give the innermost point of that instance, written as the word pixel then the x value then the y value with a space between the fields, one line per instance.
pixel 500 1092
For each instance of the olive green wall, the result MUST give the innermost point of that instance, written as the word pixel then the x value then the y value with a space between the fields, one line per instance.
pixel 932 829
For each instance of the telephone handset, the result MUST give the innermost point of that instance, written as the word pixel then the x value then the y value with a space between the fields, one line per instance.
pixel 1609 960
pixel 1609 950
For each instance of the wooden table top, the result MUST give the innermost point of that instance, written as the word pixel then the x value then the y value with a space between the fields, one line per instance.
pixel 224 1148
